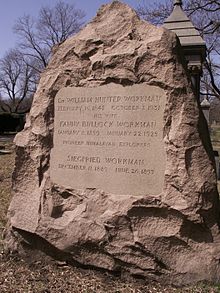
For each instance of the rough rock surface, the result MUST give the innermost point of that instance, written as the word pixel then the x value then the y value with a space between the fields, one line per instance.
pixel 171 237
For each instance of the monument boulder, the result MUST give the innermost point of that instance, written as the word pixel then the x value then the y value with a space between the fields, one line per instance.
pixel 114 168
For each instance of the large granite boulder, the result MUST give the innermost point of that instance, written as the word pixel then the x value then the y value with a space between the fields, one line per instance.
pixel 164 229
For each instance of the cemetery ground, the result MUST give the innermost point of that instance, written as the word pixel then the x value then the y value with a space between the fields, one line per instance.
pixel 215 137
pixel 46 275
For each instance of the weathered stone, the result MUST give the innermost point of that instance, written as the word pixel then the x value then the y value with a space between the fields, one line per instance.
pixel 171 236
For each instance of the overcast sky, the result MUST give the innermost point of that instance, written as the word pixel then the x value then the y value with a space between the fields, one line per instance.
pixel 10 10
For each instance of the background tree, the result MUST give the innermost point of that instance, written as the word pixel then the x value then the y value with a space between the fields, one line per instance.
pixel 21 67
pixel 205 15
pixel 16 81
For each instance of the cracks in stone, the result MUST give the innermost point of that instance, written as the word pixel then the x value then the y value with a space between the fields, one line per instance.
pixel 178 188
pixel 65 193
pixel 172 143
pixel 167 126
pixel 146 253
pixel 98 65
pixel 44 165
pixel 70 54
pixel 137 260
pixel 98 251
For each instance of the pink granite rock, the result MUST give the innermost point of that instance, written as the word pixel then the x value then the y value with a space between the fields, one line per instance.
pixel 170 237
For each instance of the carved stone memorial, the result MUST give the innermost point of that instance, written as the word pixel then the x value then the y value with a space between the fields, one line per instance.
pixel 111 138
pixel 114 168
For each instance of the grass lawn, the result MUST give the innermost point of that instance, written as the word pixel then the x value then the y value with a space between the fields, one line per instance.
pixel 34 276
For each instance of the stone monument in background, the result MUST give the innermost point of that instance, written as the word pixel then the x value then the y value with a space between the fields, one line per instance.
pixel 114 169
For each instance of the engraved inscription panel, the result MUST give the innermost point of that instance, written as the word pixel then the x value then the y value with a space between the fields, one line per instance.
pixel 111 138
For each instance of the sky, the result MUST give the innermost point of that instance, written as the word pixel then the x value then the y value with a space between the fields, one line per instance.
pixel 11 10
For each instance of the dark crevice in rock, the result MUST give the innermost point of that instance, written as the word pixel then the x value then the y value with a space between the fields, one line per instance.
pixel 52 93
pixel 116 272
pixel 144 252
pixel 57 212
pixel 149 211
pixel 209 210
pixel 167 124
pixel 65 193
pixel 121 81
pixel 147 201
pixel 97 65
pixel 176 146
pixel 42 168
pixel 98 42
pixel 31 242
pixel 178 188
pixel 70 54
pixel 196 232
pixel 68 82
pixel 88 54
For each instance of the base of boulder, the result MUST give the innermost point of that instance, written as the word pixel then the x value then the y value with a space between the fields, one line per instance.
pixel 138 236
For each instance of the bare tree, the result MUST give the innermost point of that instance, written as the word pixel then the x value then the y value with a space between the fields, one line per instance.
pixel 205 14
pixel 30 43
pixel 53 26
pixel 16 81
pixel 56 24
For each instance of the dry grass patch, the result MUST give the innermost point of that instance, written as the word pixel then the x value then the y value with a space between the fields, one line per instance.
pixel 6 167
